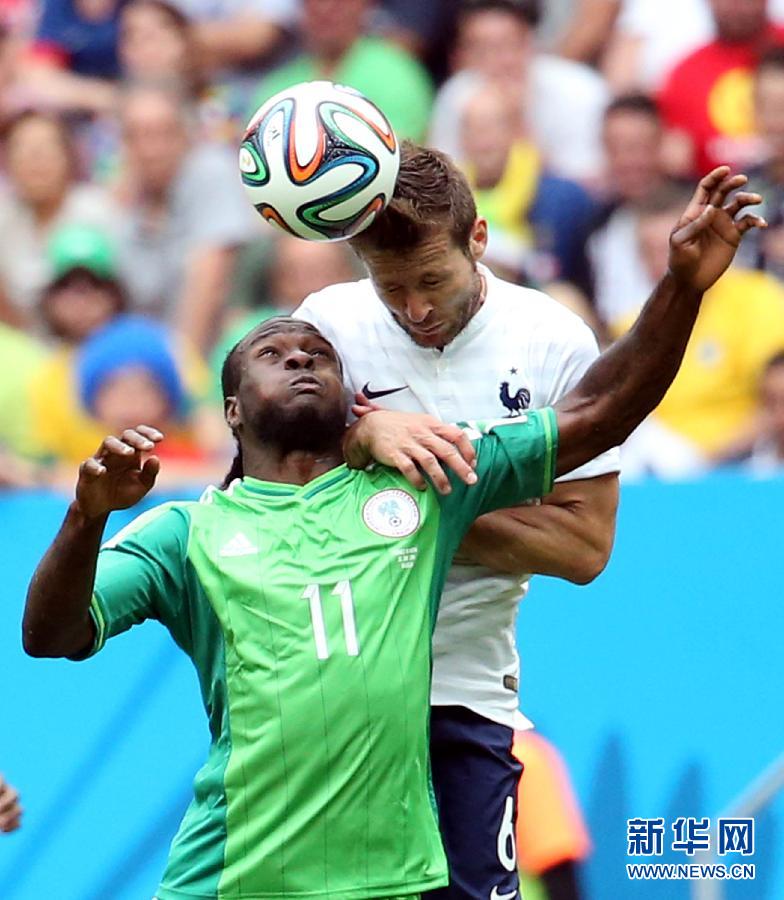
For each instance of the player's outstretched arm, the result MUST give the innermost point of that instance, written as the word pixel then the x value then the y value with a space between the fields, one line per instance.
pixel 56 617
pixel 630 378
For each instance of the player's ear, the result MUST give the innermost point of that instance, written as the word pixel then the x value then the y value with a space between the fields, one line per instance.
pixel 231 412
pixel 477 242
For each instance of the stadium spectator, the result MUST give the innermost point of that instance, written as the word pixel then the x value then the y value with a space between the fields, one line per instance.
pixel 187 216
pixel 562 101
pixel 542 219
pixel 632 137
pixel 134 367
pixel 416 26
pixel 705 99
pixel 83 296
pixel 20 18
pixel 43 194
pixel 235 42
pixel 157 46
pixel 585 32
pixel 22 356
pixel 127 372
pixel 73 58
pixel 767 252
pixel 237 35
pixel 85 293
pixel 552 838
pixel 644 47
pixel 632 140
pixel 11 44
pixel 10 810
pixel 768 455
pixel 712 404
pixel 337 48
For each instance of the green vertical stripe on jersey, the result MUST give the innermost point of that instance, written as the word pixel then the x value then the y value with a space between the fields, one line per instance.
pixel 307 612
pixel 550 424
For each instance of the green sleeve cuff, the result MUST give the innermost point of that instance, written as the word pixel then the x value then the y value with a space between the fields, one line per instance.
pixel 96 614
pixel 550 425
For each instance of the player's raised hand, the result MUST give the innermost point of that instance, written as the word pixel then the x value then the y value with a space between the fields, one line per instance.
pixel 120 474
pixel 414 444
pixel 704 242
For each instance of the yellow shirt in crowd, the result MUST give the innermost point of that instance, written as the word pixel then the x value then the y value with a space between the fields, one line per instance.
pixel 62 428
pixel 507 205
pixel 740 327
pixel 21 356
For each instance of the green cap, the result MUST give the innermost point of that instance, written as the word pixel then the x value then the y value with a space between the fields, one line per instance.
pixel 79 246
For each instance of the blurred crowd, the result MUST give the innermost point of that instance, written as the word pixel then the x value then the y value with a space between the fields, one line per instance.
pixel 130 260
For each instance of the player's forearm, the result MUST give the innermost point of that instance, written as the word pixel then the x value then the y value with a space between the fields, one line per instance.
pixel 56 618
pixel 65 90
pixel 569 536
pixel 238 40
pixel 628 380
pixel 547 547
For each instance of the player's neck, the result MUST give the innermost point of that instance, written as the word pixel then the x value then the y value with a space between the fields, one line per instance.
pixel 270 463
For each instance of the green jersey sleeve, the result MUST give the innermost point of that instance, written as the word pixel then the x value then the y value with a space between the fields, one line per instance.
pixel 141 574
pixel 515 462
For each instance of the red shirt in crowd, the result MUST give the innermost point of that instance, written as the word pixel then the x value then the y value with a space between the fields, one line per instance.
pixel 709 97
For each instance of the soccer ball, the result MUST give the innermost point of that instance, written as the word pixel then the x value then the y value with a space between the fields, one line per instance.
pixel 319 161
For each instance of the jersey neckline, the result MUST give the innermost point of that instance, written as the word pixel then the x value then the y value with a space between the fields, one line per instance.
pixel 250 487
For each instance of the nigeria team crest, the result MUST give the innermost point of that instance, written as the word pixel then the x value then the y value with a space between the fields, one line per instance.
pixel 391 513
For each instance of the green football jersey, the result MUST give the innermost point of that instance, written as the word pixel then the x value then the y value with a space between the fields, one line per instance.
pixel 307 612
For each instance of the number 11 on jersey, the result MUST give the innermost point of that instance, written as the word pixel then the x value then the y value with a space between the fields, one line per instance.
pixel 312 594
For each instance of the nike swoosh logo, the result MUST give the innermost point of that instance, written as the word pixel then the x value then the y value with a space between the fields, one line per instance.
pixel 495 894
pixel 374 395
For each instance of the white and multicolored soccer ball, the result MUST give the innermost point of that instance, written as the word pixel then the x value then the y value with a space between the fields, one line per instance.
pixel 319 161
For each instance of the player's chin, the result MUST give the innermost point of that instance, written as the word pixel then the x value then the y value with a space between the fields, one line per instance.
pixel 429 339
pixel 314 401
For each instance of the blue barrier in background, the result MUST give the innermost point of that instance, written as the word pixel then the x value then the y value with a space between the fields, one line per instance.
pixel 661 683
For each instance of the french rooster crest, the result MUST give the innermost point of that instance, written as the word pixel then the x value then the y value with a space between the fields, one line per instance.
pixel 514 403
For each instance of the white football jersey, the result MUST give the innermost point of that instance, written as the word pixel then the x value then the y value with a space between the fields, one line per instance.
pixel 522 349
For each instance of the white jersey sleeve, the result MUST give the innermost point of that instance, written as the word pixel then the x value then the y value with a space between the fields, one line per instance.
pixel 311 310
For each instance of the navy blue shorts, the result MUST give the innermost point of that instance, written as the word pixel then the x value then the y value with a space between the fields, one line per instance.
pixel 475 777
